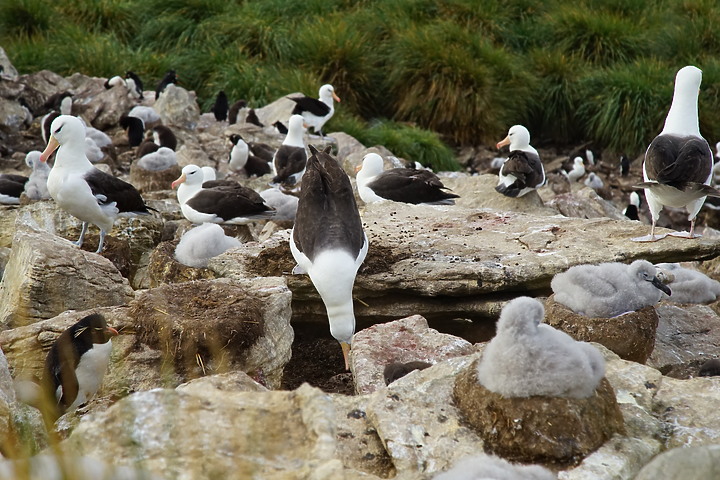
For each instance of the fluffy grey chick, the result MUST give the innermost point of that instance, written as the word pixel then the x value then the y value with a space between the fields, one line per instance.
pixel 527 358
pixel 162 159
pixel 608 289
pixel 36 186
pixel 688 285
pixel 489 467
pixel 202 243
pixel 285 205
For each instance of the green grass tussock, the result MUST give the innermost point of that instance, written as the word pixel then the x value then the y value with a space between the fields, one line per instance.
pixel 461 71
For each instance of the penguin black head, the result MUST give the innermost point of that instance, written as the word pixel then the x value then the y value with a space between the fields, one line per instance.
pixel 92 329
pixel 235 138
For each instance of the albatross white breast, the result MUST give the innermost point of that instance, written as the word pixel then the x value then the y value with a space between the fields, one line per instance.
pixel 82 190
pixel 290 159
pixel 678 163
pixel 523 171
pixel 328 241
pixel 317 111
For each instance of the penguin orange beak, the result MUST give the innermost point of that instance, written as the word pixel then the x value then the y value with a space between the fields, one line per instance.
pixel 346 352
pixel 112 331
pixel 178 181
pixel 503 142
pixel 51 147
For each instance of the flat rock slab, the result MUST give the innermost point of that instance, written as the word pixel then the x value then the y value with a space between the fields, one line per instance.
pixel 420 255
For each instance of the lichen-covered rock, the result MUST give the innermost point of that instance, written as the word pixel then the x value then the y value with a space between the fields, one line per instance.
pixel 218 434
pixel 689 410
pixel 177 106
pixel 47 275
pixel 547 430
pixel 404 340
pixel 690 463
pixel 631 335
pixel 686 337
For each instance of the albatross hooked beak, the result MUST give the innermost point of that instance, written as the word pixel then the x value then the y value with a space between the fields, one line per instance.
pixel 346 352
pixel 335 97
pixel 178 181
pixel 659 284
pixel 503 142
pixel 51 147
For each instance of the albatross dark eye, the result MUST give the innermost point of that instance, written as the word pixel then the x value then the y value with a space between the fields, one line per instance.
pixel 58 129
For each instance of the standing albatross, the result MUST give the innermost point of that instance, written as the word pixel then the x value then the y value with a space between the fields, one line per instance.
pixel 523 171
pixel 316 111
pixel 82 190
pixel 328 241
pixel 678 163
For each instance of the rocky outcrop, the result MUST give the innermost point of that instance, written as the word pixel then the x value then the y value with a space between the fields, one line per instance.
pixel 548 430
pixel 686 337
pixel 630 335
pixel 405 340
pixel 47 275
pixel 444 262
pixel 177 106
pixel 274 434
pixel 691 463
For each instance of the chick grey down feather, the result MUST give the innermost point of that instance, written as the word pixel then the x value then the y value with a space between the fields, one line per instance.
pixel 688 285
pixel 36 186
pixel 527 358
pixel 161 159
pixel 199 245
pixel 608 289
pixel 485 466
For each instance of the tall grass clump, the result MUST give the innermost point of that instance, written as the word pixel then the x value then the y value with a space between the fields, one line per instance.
pixel 112 16
pixel 598 36
pixel 411 143
pixel 24 18
pixel 343 56
pixel 554 112
pixel 452 82
pixel 689 31
pixel 623 108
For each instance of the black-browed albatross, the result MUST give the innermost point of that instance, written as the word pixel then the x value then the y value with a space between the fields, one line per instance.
pixel 407 185
pixel 523 171
pixel 316 111
pixel 290 159
pixel 82 190
pixel 328 241
pixel 678 163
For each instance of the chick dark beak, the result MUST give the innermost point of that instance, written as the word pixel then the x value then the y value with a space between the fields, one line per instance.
pixel 658 284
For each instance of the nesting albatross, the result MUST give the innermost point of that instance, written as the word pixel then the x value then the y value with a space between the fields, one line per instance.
pixel 217 202
pixel 407 185
pixel 523 171
pixel 328 241
pixel 678 163
pixel 82 190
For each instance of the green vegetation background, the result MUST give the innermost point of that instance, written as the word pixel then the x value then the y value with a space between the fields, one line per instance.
pixel 419 76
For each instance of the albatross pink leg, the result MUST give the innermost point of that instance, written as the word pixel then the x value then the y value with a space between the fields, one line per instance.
pixel 651 237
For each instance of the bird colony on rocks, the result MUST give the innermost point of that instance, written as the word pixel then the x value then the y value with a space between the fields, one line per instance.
pixel 270 223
